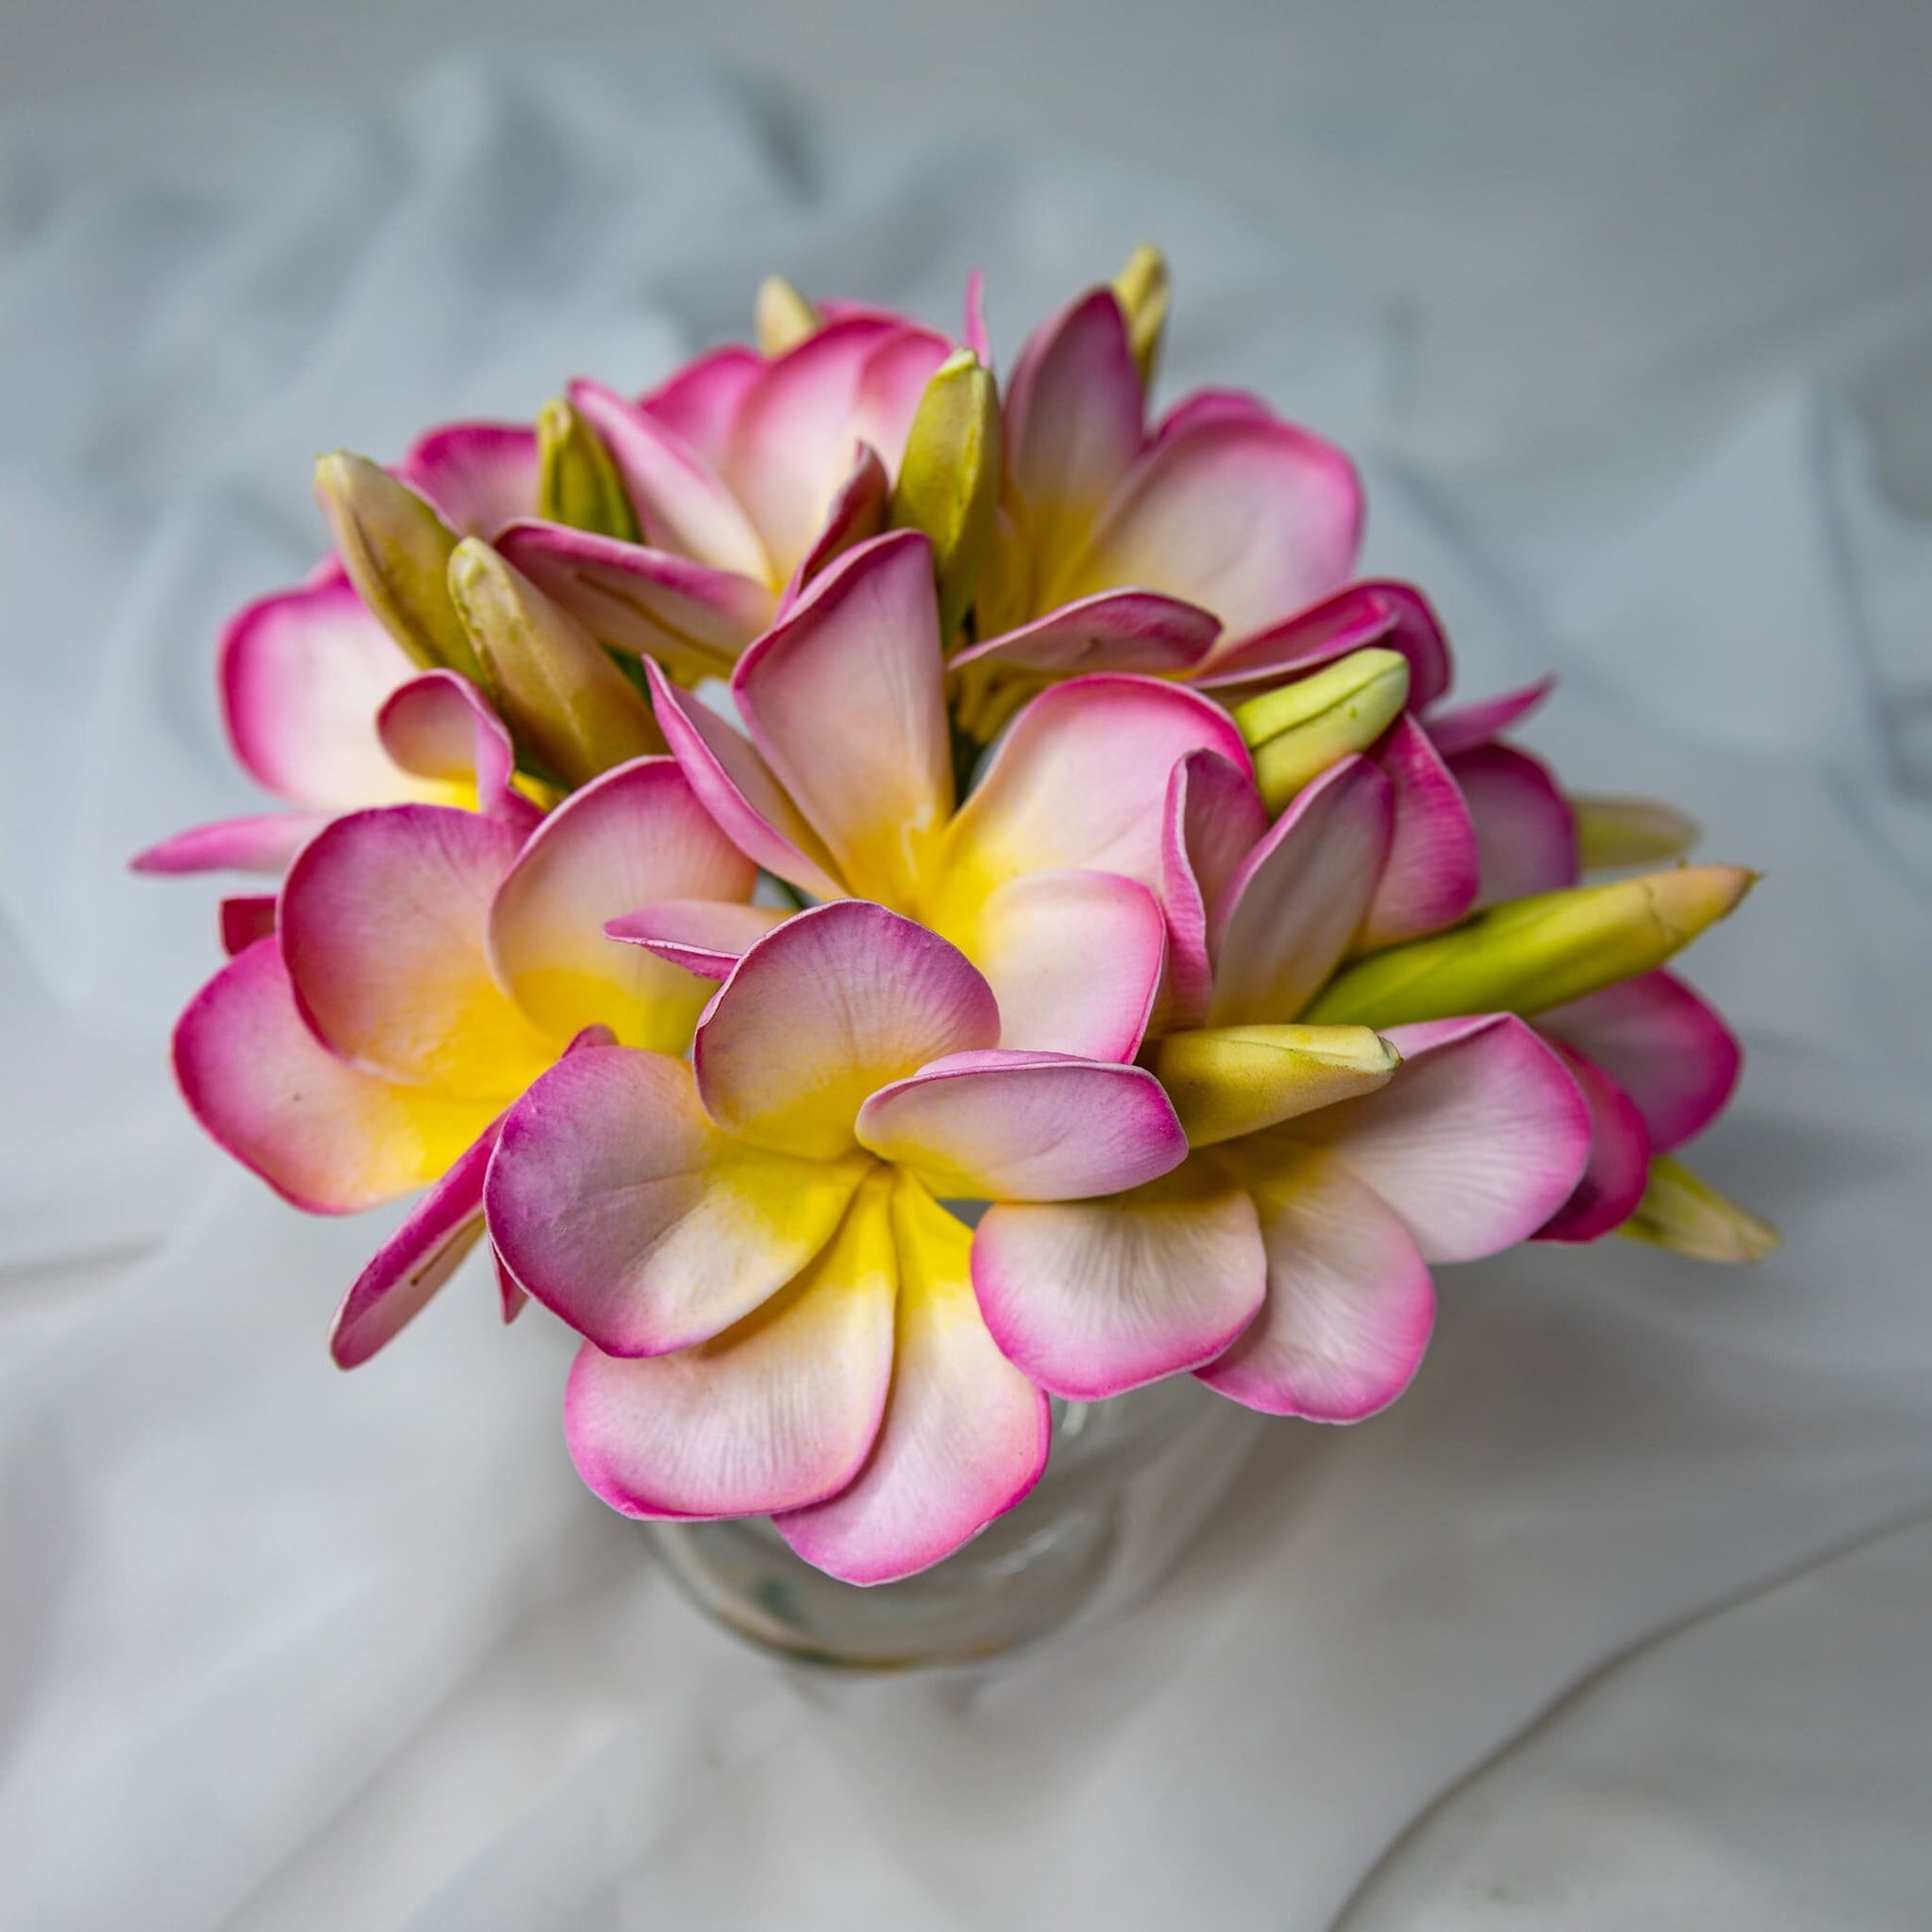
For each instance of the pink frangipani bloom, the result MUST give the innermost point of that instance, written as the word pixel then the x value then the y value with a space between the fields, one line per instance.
pixel 778 1313
pixel 325 710
pixel 1179 549
pixel 1285 1263
pixel 749 473
pixel 425 966
pixel 1044 877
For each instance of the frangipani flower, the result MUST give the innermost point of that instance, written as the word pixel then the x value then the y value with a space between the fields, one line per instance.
pixel 1352 1123
pixel 426 965
pixel 327 710
pixel 1654 1062
pixel 1043 877
pixel 1219 545
pixel 666 560
pixel 1286 1262
pixel 747 474
pixel 779 1315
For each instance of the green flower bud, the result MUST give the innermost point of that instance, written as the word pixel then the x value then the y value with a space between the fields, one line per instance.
pixel 1298 731
pixel 1690 1217
pixel 1145 292
pixel 783 317
pixel 396 550
pixel 949 478
pixel 1530 954
pixel 1612 832
pixel 1227 1081
pixel 568 706
pixel 577 481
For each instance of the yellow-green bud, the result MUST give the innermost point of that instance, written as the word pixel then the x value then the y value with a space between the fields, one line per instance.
pixel 578 483
pixel 1145 292
pixel 949 478
pixel 783 317
pixel 1298 731
pixel 1530 954
pixel 566 703
pixel 396 550
pixel 1227 1081
pixel 1614 832
pixel 1690 1217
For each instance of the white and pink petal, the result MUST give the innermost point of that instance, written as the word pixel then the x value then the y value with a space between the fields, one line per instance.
pixel 778 1412
pixel 614 1201
pixel 964 1436
pixel 1094 1298
pixel 1480 1138
pixel 834 1004
pixel 1015 1126
pixel 1349 1304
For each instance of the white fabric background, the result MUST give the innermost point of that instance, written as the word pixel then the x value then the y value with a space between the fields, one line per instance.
pixel 1618 1618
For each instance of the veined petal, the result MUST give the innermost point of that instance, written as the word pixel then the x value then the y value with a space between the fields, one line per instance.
pixel 1526 832
pixel 1073 425
pixel 324 1135
pixel 303 675
pixel 1475 1143
pixel 857 381
pixel 382 923
pixel 702 935
pixel 1080 782
pixel 636 835
pixel 1073 959
pixel 700 403
pixel 964 1435
pixel 1214 819
pixel 779 1409
pixel 616 1202
pixel 736 787
pixel 263 843
pixel 1392 616
pixel 437 727
pixel 1094 1298
pixel 1301 897
pixel 1229 1081
pixel 1662 1044
pixel 1429 877
pixel 476 476
pixel 1007 1126
pixel 1112 631
pixel 692 618
pixel 846 700
pixel 832 1005
pixel 679 499
pixel 1349 1304
pixel 1615 1177
pixel 406 1271
pixel 1465 726
pixel 1248 516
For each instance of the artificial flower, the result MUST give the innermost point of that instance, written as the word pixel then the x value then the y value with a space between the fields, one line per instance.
pixel 1349 1122
pixel 843 784
pixel 780 1314
pixel 425 966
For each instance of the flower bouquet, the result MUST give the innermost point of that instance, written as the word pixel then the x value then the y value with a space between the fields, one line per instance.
pixel 892 901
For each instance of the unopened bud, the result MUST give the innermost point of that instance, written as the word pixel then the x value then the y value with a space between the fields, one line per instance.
pixel 566 703
pixel 1298 731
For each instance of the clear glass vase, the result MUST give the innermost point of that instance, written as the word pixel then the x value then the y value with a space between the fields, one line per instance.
pixel 1130 1481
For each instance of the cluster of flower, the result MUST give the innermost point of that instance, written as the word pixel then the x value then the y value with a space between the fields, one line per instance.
pixel 733 829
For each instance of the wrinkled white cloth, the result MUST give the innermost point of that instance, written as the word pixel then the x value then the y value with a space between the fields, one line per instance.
pixel 1618 1618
